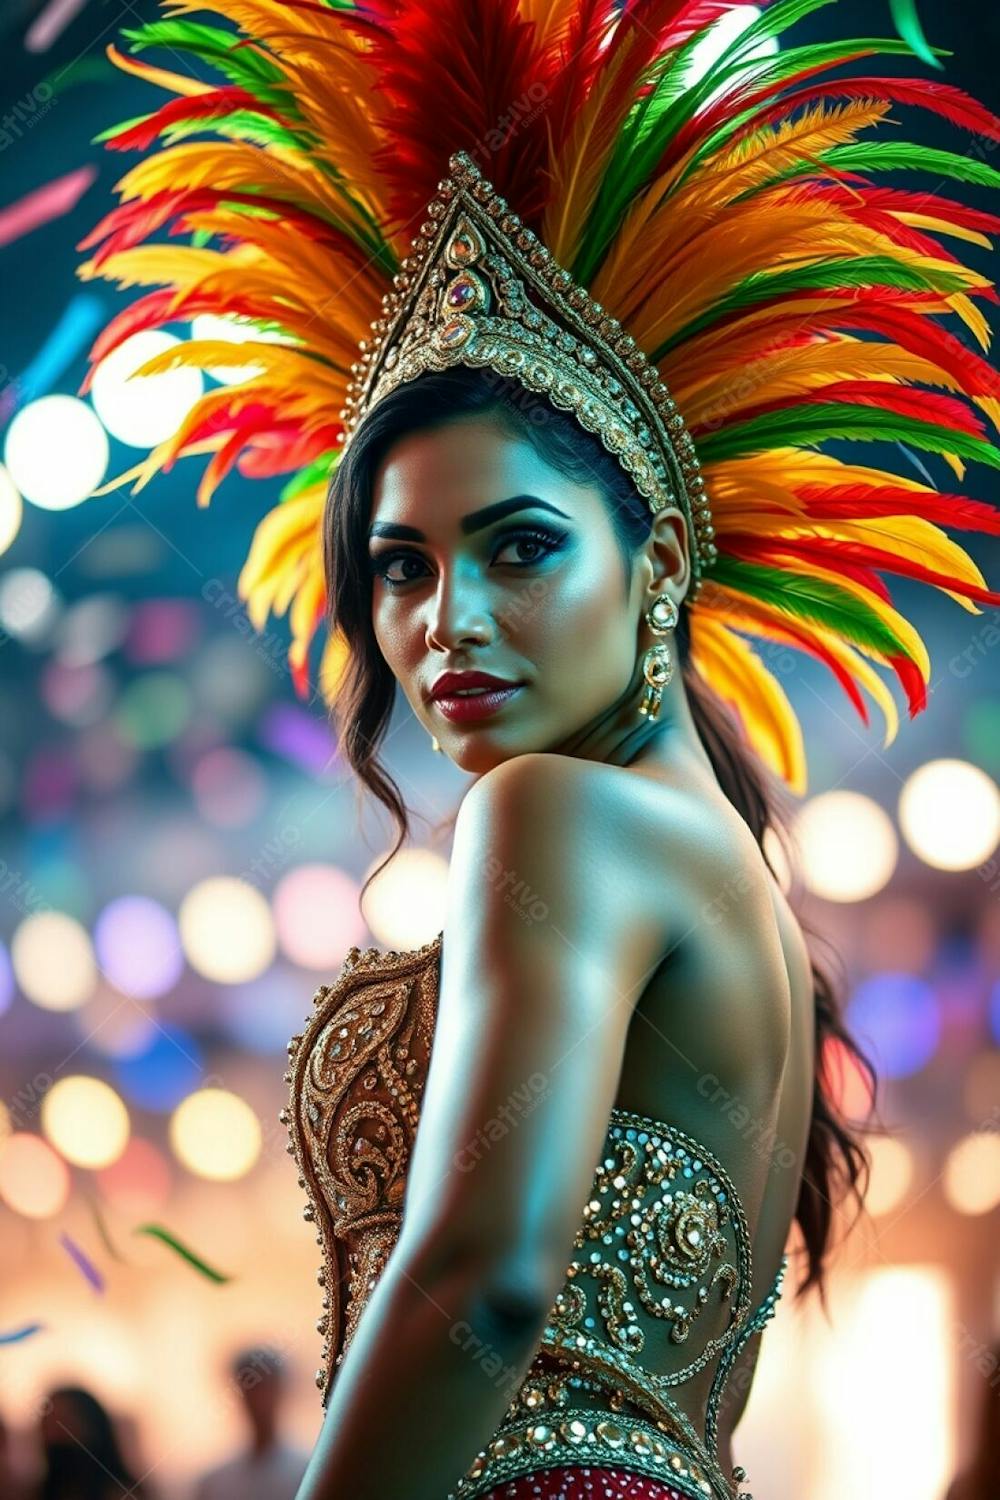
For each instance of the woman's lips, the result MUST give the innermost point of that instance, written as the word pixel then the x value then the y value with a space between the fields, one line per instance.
pixel 471 707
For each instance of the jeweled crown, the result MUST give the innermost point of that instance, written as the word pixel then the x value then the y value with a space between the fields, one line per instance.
pixel 482 290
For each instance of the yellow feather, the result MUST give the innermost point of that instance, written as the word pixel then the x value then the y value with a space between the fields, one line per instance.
pixel 763 155
pixel 279 533
pixel 942 226
pixel 552 20
pixel 176 83
pixel 307 600
pixel 779 373
pixel 333 666
pixel 736 673
pixel 852 660
pixel 909 537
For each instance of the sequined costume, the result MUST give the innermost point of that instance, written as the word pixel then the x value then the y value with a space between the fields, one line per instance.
pixel 663 1236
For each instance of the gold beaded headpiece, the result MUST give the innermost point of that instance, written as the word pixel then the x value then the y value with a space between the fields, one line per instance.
pixel 481 289
pixel 651 235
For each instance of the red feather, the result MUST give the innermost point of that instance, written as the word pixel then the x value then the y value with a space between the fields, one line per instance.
pixel 207 107
pixel 733 100
pixel 940 98
pixel 857 501
pixel 578 63
pixel 888 310
pixel 477 61
pixel 905 401
pixel 269 456
pixel 131 223
pixel 835 552
pixel 758 549
pixel 152 311
pixel 912 682
pixel 899 200
pixel 807 643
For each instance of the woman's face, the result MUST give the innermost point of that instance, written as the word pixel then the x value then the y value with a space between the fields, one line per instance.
pixel 504 567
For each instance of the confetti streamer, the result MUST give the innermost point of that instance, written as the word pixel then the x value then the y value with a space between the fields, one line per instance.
pixel 84 1262
pixel 16 1335
pixel 45 203
pixel 103 1231
pixel 165 1235
pixel 907 23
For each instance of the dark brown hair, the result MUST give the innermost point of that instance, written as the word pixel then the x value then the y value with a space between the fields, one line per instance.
pixel 835 1156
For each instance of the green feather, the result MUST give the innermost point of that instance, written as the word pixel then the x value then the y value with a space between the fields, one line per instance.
pixel 654 121
pixel 806 597
pixel 888 156
pixel 246 66
pixel 825 275
pixel 812 423
pixel 106 135
pixel 788 64
pixel 239 125
pixel 314 473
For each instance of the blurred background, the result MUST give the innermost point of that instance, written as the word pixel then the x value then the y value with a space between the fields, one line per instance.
pixel 180 858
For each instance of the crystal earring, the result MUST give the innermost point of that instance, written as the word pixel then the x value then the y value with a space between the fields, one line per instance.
pixel 657 663
pixel 434 743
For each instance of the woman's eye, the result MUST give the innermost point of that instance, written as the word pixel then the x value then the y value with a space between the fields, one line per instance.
pixel 537 542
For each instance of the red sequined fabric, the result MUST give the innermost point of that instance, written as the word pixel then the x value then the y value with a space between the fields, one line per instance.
pixel 583 1483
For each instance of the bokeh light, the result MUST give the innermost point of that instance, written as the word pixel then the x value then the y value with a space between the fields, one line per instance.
pixel 897 1017
pixel 114 1025
pixel 317 916
pixel 227 929
pixel 85 1120
pixel 153 709
pixel 29 605
pixel 140 1181
pixel 53 960
pixel 898 933
pixel 949 812
pixel 76 695
pixel 229 787
pixel 262 1014
pixel 56 451
pixel 11 510
pixel 34 1179
pixel 90 629
pixel 891 1174
pixel 215 1134
pixel 848 846
pixel 845 1080
pixel 971 1178
pixel 149 409
pixel 405 905
pixel 162 630
pixel 138 946
pixel 162 1073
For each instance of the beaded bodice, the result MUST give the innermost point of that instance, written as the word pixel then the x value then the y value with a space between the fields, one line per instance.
pixel 663 1243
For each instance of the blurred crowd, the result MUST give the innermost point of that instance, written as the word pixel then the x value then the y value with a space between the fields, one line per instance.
pixel 84 1452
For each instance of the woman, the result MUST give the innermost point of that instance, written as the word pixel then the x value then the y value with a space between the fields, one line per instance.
pixel 567 401
pixel 657 967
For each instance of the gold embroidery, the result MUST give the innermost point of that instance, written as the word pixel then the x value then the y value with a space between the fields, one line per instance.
pixel 663 1239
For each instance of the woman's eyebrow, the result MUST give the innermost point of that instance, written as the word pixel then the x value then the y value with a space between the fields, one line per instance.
pixel 474 521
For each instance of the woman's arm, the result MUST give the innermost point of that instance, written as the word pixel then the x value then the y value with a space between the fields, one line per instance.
pixel 533 1014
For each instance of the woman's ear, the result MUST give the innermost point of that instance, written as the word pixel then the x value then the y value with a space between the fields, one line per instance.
pixel 668 549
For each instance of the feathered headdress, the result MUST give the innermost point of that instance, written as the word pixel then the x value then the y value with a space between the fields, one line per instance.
pixel 763 290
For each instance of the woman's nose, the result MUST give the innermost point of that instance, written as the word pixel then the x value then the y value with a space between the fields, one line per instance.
pixel 458 613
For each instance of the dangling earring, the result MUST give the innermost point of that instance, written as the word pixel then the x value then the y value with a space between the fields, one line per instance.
pixel 434 743
pixel 657 663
